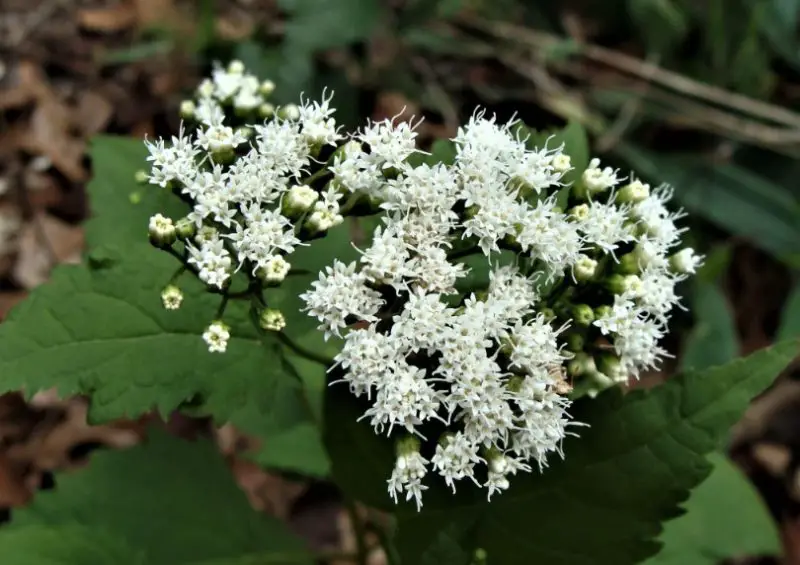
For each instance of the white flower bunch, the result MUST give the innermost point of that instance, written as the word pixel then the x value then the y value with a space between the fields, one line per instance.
pixel 478 379
pixel 250 189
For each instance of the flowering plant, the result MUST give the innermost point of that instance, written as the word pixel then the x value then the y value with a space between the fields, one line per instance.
pixel 477 340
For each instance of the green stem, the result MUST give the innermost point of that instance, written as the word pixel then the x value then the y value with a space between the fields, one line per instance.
pixel 222 305
pixel 362 551
pixel 303 352
pixel 182 269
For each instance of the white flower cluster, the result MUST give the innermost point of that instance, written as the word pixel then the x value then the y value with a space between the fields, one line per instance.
pixel 581 282
pixel 249 188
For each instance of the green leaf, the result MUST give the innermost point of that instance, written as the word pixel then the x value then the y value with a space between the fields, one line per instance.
pixel 661 24
pixel 104 333
pixel 790 318
pixel 117 219
pixel 314 25
pixel 735 199
pixel 69 544
pixel 626 473
pixel 167 501
pixel 713 339
pixel 725 518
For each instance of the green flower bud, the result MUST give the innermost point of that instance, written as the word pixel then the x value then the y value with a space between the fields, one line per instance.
pixel 602 311
pixel 172 297
pixel 580 365
pixel 236 67
pixel 141 177
pixel 610 366
pixel 299 200
pixel 575 342
pixel 185 229
pixel 266 110
pixel 628 264
pixel 272 320
pixel 267 87
pixel 582 314
pixel 289 112
pixel 561 163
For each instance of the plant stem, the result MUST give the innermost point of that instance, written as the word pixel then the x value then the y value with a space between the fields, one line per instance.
pixel 362 551
pixel 303 352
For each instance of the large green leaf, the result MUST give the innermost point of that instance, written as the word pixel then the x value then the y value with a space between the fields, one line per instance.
pixel 626 473
pixel 725 518
pixel 103 332
pixel 165 502
pixel 736 199
pixel 713 339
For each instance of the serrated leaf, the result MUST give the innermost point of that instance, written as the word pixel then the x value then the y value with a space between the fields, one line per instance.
pixel 168 500
pixel 626 473
pixel 725 518
pixel 104 333
pixel 116 220
pixel 713 339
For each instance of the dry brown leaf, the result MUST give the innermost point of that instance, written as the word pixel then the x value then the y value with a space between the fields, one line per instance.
pixel 265 491
pixel 13 491
pixel 92 112
pixel 157 12
pixel 24 84
pixel 117 17
pixel 38 239
pixel 773 457
pixel 50 135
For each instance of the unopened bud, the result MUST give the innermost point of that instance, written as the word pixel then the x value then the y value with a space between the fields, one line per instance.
pixel 582 314
pixel 580 365
pixel 187 109
pixel 266 110
pixel 185 229
pixel 298 200
pixel 141 177
pixel 575 342
pixel 585 268
pixel 272 320
pixel 289 112
pixel 236 67
pixel 161 230
pixel 634 192
pixel 610 366
pixel 579 212
pixel 561 163
pixel 628 264
pixel 267 87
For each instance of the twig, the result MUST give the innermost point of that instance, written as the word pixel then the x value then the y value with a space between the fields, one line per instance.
pixel 438 93
pixel 642 69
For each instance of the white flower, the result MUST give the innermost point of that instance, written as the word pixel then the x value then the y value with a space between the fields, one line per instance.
pixel 171 297
pixel 390 144
pixel 216 337
pixel 605 226
pixel 341 293
pixel 597 179
pixel 275 269
pixel 686 261
pixel 456 458
pixel 272 320
pixel 161 229
pixel 318 127
pixel 409 470
pixel 300 198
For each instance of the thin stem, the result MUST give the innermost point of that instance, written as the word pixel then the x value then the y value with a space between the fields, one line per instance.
pixel 303 352
pixel 362 551
pixel 222 305
pixel 178 273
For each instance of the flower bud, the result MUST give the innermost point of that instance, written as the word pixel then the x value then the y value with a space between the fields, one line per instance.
pixel 187 109
pixel 206 234
pixel 582 364
pixel 610 366
pixel 598 180
pixel 575 342
pixel 289 112
pixel 236 67
pixel 274 270
pixel 172 297
pixel 685 261
pixel 185 229
pixel 632 285
pixel 561 163
pixel 267 87
pixel 298 200
pixel 161 231
pixel 599 382
pixel 602 311
pixel 582 314
pixel 628 264
pixel 272 320
pixel 322 220
pixel 579 212
pixel 585 268
pixel 634 192
pixel 620 284
pixel 266 110
pixel 206 89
